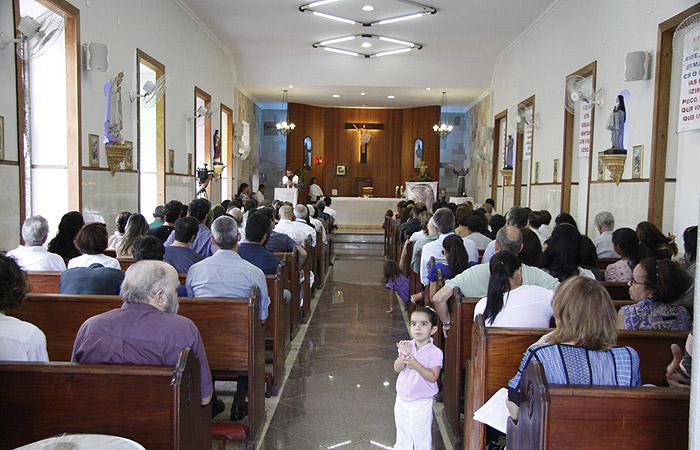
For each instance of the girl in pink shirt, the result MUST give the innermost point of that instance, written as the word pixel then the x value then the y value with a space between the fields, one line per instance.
pixel 418 365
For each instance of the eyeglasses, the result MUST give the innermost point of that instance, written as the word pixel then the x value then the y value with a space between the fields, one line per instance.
pixel 632 282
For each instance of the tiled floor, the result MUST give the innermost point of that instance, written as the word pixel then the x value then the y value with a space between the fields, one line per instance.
pixel 340 391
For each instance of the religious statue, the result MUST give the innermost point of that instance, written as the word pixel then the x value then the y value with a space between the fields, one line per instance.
pixel 217 146
pixel 365 137
pixel 461 181
pixel 508 156
pixel 113 110
pixel 616 124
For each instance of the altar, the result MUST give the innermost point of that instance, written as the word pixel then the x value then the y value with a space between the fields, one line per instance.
pixel 362 212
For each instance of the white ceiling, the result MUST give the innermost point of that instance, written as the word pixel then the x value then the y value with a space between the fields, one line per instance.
pixel 271 41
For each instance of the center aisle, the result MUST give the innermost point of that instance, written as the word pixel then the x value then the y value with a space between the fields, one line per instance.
pixel 341 390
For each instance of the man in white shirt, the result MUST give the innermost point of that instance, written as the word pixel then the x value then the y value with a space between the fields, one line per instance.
pixel 290 180
pixel 259 195
pixel 605 223
pixel 288 227
pixel 534 222
pixel 317 223
pixel 444 221
pixel 32 255
pixel 301 213
pixel 517 217
pixel 328 210
pixel 315 191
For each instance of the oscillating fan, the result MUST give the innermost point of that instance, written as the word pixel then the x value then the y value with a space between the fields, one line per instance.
pixel 153 92
pixel 244 151
pixel 203 114
pixel 679 34
pixel 35 36
pixel 577 90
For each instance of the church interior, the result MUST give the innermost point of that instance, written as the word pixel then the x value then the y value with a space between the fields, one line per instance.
pixel 549 105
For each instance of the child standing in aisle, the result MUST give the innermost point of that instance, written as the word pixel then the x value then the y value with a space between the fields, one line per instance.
pixel 396 282
pixel 418 365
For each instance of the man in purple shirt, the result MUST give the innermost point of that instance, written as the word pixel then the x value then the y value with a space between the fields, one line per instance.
pixel 146 329
pixel 199 208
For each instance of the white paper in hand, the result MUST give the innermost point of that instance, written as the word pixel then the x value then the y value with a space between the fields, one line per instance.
pixel 494 412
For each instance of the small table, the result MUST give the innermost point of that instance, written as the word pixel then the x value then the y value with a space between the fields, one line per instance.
pixel 83 442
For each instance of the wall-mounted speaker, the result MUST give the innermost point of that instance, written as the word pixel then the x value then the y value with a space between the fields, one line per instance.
pixel 96 56
pixel 637 66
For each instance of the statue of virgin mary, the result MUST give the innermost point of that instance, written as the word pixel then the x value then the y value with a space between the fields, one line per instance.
pixel 113 110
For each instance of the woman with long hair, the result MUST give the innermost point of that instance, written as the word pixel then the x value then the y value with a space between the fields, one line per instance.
pixel 561 258
pixel 654 243
pixel 509 303
pixel 456 256
pixel 626 244
pixel 136 226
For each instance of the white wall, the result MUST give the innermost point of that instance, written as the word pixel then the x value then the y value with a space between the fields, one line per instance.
pixel 564 40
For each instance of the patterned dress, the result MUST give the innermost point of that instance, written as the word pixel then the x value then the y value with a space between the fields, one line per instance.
pixel 619 271
pixel 650 315
pixel 569 364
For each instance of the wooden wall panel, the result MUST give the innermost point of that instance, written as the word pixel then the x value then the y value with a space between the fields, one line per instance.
pixel 390 151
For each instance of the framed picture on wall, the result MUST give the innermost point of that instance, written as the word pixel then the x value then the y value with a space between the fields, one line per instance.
pixel 555 172
pixel 171 161
pixel 189 164
pixel 94 142
pixel 2 137
pixel 341 170
pixel 537 172
pixel 417 153
pixel 637 161
pixel 601 169
pixel 129 159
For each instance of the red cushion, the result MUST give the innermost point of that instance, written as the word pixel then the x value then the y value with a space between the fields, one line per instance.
pixel 226 431
pixel 268 377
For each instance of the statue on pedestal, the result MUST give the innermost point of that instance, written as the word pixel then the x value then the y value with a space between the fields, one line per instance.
pixel 461 181
pixel 616 124
pixel 113 110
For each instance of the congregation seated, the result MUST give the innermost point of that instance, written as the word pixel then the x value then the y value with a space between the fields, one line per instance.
pixel 476 227
pixel 456 259
pixel 118 234
pixel 146 329
pixel 171 212
pixel 424 218
pixel 91 241
pixel 496 222
pixel 509 302
pixel 179 254
pixel 328 210
pixel 417 255
pixel 532 247
pixel 474 281
pixel 301 214
pixel 581 349
pixel 562 257
pixel 136 227
pixel 535 223
pixel 655 285
pixel 517 217
pixel 462 213
pixel 605 224
pixel 199 209
pixel 19 340
pixel 653 242
pixel 690 240
pixel 626 244
pixel 321 210
pixel 68 228
pixel 413 223
pixel 150 248
pixel 315 223
pixel 588 258
pixel 444 221
pixel 158 217
pixel 32 255
pixel 280 242
pixel 295 230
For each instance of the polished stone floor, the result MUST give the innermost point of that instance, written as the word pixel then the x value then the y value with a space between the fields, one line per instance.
pixel 340 391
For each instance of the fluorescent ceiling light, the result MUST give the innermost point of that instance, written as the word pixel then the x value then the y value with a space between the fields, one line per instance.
pixel 291 86
pixel 397 41
pixel 393 52
pixel 343 52
pixel 339 19
pixel 335 41
pixel 320 2
pixel 335 95
pixel 362 93
pixel 368 8
pixel 366 45
pixel 390 96
pixel 399 19
pixel 427 89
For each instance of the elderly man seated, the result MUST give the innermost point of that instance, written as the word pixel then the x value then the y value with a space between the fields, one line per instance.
pixel 295 230
pixel 146 329
pixel 605 224
pixel 32 255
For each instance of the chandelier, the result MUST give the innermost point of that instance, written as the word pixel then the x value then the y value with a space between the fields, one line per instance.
pixel 285 127
pixel 443 129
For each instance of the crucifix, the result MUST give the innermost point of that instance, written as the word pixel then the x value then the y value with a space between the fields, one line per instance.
pixel 365 135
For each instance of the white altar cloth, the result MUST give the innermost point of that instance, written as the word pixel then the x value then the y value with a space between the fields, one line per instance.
pixel 358 211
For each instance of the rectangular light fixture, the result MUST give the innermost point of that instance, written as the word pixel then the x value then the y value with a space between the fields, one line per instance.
pixel 320 3
pixel 393 52
pixel 397 41
pixel 335 41
pixel 343 52
pixel 339 19
pixel 399 19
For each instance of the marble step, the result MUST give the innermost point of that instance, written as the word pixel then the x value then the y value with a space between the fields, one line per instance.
pixel 358 237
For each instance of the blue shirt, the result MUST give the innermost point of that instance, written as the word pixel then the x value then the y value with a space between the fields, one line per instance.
pixel 202 242
pixel 280 242
pixel 93 280
pixel 260 257
pixel 181 258
pixel 226 274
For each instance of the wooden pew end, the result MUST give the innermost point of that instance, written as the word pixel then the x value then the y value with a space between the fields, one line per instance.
pixel 226 431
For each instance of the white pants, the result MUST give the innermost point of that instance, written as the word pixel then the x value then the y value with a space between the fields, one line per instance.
pixel 414 421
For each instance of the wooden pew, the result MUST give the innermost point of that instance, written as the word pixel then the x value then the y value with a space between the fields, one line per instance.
pixel 231 330
pixel 618 290
pixel 387 227
pixel 291 283
pixel 603 263
pixel 125 263
pixel 585 417
pixel 457 349
pixel 277 325
pixel 320 259
pixel 50 282
pixel 156 406
pixel 306 305
pixel 497 352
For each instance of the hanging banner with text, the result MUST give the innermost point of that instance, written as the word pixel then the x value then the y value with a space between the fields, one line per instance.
pixel 528 142
pixel 584 129
pixel 689 103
